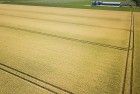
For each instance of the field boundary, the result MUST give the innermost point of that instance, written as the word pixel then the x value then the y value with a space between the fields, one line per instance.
pixel 73 5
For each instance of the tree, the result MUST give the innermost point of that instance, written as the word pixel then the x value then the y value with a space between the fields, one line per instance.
pixel 137 2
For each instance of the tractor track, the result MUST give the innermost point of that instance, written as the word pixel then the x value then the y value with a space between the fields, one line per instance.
pixel 131 42
pixel 68 38
pixel 133 53
pixel 6 68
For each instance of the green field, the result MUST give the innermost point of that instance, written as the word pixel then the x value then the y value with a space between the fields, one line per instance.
pixel 64 3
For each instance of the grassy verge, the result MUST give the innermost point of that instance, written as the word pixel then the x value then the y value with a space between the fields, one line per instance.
pixel 84 4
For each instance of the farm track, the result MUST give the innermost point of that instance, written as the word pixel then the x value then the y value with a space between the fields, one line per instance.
pixel 130 57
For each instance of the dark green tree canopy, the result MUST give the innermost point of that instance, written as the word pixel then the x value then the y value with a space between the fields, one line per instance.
pixel 137 2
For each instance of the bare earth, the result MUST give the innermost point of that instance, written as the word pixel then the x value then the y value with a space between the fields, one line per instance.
pixel 80 50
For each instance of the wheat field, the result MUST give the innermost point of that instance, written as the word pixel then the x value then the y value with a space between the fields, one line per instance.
pixel 77 51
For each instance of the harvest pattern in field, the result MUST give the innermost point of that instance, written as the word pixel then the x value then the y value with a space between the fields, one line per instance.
pixel 79 50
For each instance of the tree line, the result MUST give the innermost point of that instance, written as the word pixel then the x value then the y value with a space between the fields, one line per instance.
pixel 137 2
